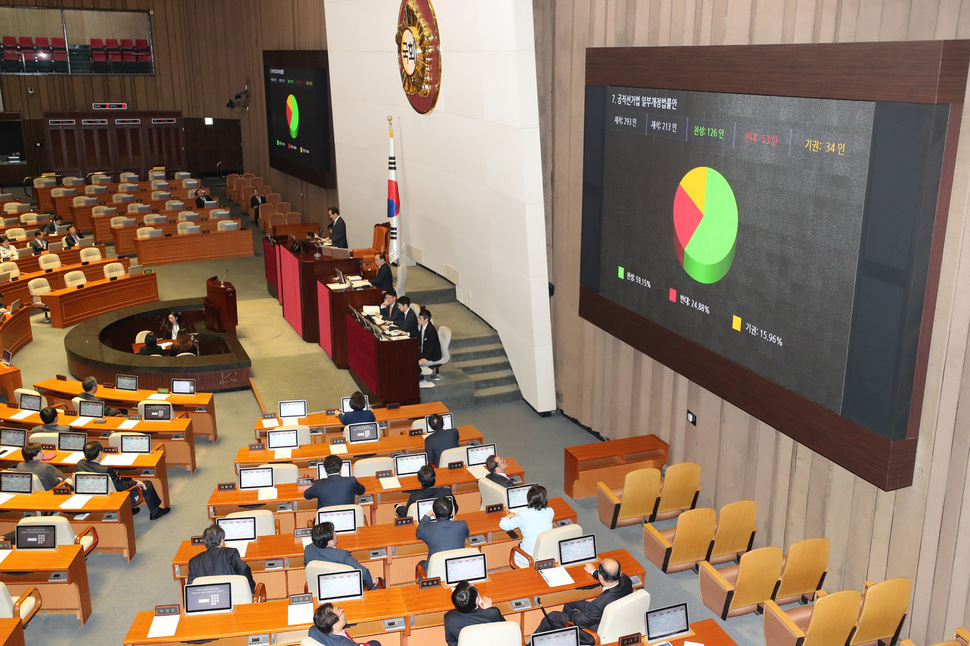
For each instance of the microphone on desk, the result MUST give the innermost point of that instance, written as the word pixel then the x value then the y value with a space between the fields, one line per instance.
pixel 222 283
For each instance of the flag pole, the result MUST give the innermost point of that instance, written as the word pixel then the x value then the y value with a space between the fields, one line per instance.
pixel 394 254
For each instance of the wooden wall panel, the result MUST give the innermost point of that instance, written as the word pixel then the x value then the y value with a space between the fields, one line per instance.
pixel 921 532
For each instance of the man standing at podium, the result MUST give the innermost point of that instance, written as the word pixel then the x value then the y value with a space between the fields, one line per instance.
pixel 338 229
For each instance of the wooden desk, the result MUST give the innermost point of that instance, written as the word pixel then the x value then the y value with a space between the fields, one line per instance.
pixel 19 289
pixel 9 377
pixel 706 632
pixel 22 569
pixel 293 510
pixel 385 370
pixel 277 561
pixel 30 264
pixel 200 407
pixel 101 224
pixel 392 417
pixel 11 632
pixel 15 333
pixel 110 515
pixel 609 462
pixel 298 274
pixel 71 305
pixel 296 229
pixel 177 436
pixel 333 306
pixel 124 237
pixel 194 246
pixel 147 466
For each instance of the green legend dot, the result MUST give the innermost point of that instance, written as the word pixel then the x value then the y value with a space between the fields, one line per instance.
pixel 619 272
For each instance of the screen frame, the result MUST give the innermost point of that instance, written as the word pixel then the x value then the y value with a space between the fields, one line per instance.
pixel 468 461
pixel 50 528
pixel 409 455
pixel 350 433
pixel 127 438
pixel 168 408
pixel 344 464
pixel 22 432
pixel 569 629
pixel 646 621
pixel 192 586
pixel 102 477
pixel 323 575
pixel 247 470
pixel 326 511
pixel 61 436
pixel 274 432
pixel 279 408
pixel 450 424
pixel 576 538
pixel 233 518
pixel 179 379
pixel 19 475
pixel 120 378
pixel 508 495
pixel 85 404
pixel 481 556
pixel 40 402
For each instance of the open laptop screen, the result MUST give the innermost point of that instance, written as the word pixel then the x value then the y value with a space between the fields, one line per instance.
pixel 365 432
pixel 424 506
pixel 446 419
pixel 407 464
pixel 7 357
pixel 36 537
pixel 519 496
pixel 340 585
pixel 93 484
pixel 344 520
pixel 465 568
pixel 158 412
pixel 285 439
pixel 478 454
pixel 292 408
pixel 664 623
pixel 90 409
pixel 255 477
pixel 136 443
pixel 562 637
pixel 13 437
pixel 126 382
pixel 208 597
pixel 30 402
pixel 344 470
pixel 581 549
pixel 71 441
pixel 238 528
pixel 345 404
pixel 15 482
pixel 183 386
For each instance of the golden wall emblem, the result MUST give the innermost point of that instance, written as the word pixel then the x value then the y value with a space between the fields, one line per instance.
pixel 419 58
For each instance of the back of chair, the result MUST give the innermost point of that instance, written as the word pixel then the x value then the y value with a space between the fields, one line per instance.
pixel 10 267
pixel 292 217
pixel 265 520
pixel 140 337
pixel 681 486
pixel 313 569
pixel 219 214
pixel 547 543
pixel 75 278
pixel 492 493
pixel 444 338
pixel 39 287
pixel 239 587
pixel 498 633
pixel 624 616
pixel 183 227
pixel 121 198
pixel 188 215
pixel 104 210
pixel 833 618
pixel 226 225
pixel 6 602
pixel 118 221
pixel 695 531
pixel 114 270
pixel 174 205
pixel 804 569
pixel 436 564
pixel 758 574
pixel 282 207
pixel 16 233
pixel 456 454
pixel 44 438
pixel 358 512
pixel 138 207
pixel 285 473
pixel 735 530
pixel 641 488
pixel 143 233
pixel 368 467
pixel 884 607
pixel 63 533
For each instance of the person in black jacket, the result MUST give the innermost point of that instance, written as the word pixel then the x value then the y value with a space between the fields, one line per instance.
pixel 73 238
pixel 470 609
pixel 90 386
pixel 338 229
pixel 51 227
pixel 335 489
pixel 426 478
pixel 255 201
pixel 151 346
pixel 497 466
pixel 443 533
pixel 410 323
pixel 439 439
pixel 92 464
pixel 324 548
pixel 384 280
pixel 329 622
pixel 218 559
pixel 201 197
pixel 429 346
pixel 587 614
pixel 358 411
pixel 390 312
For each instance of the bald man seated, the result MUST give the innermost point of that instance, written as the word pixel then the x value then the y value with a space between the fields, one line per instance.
pixel 587 614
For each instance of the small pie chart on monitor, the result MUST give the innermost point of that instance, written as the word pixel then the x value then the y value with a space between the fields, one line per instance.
pixel 705 224
pixel 292 116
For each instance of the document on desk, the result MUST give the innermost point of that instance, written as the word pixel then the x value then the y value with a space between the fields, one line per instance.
pixel 119 459
pixel 390 483
pixel 338 286
pixel 241 547
pixel 299 613
pixel 128 424
pixel 22 414
pixel 270 422
pixel 161 396
pixel 4 497
pixel 338 449
pixel 306 540
pixel 80 421
pixel 282 454
pixel 73 458
pixel 165 626
pixel 4 554
pixel 77 501
pixel 478 471
pixel 267 493
pixel 556 577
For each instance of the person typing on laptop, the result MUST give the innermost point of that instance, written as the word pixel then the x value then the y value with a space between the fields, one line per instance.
pixel 218 559
pixel 358 411
pixel 90 386
pixel 324 548
pixel 335 489
pixel 92 464
pixel 49 475
pixel 587 614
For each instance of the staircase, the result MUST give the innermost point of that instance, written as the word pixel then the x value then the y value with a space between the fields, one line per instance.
pixel 483 360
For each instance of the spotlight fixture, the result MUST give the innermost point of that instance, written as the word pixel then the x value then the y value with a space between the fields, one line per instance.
pixel 237 100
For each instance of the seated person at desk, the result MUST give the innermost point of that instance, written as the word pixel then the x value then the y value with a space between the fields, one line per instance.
pixel 439 439
pixel 39 244
pixel 410 322
pixel 172 326
pixel 73 238
pixel 49 475
pixel 587 614
pixel 429 346
pixel 426 478
pixel 324 548
pixel 359 412
pixel 536 518
pixel 389 310
pixel 443 533
pixel 51 227
pixel 384 281
pixel 470 609
pixel 497 466
pixel 48 415
pixel 92 464
pixel 335 489
pixel 217 559
pixel 7 250
pixel 90 386
pixel 329 623
pixel 183 343
pixel 201 197
pixel 151 346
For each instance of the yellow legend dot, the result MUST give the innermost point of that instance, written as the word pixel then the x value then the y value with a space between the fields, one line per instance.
pixel 736 324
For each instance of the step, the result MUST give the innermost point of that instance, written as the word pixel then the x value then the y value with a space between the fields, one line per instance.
pixel 493 378
pixel 433 296
pixel 467 341
pixel 459 355
pixel 497 394
pixel 485 364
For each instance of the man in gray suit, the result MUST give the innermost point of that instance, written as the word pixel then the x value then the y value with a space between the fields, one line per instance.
pixel 324 548
pixel 443 533
pixel 49 475
pixel 335 489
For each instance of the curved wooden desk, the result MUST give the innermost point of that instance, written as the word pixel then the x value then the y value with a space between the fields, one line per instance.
pixel 195 246
pixel 73 305
pixel 399 417
pixel 124 237
pixel 19 289
pixel 25 568
pixel 15 330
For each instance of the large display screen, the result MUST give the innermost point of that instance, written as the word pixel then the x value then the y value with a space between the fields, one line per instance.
pixel 298 115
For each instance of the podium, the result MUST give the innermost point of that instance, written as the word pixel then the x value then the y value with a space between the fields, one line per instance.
pixel 220 306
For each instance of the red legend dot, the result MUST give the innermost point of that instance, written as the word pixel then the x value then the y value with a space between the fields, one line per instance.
pixel 673 295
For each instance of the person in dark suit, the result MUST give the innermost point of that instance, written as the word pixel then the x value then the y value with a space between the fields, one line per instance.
pixel 90 386
pixel 201 197
pixel 443 533
pixel 429 346
pixel 426 478
pixel 338 229
pixel 48 415
pixel 48 474
pixel 390 312
pixel 217 559
pixel 51 227
pixel 329 622
pixel 470 609
pixel 324 548
pixel 384 280
pixel 358 413
pixel 335 489
pixel 587 614
pixel 73 238
pixel 92 464
pixel 439 439
pixel 39 244
pixel 255 201
pixel 497 467
pixel 410 323
pixel 151 346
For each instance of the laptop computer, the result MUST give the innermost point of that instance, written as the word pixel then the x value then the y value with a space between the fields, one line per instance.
pixel 90 409
pixel 71 441
pixel 183 386
pixel 282 439
pixel 207 598
pixel 344 520
pixel 344 470
pixel 345 404
pixel 36 537
pixel 14 438
pixel 240 530
pixel 158 412
pixel 581 549
pixel 292 410
pixel 410 463
pixel 255 477
pixel 364 432
pixel 667 623
pixel 518 497
pixel 475 455
pixel 136 443
pixel 465 568
pixel 92 484
pixel 6 358
pixel 16 482
pixel 334 586
pixel 561 637
pixel 424 506
pixel 30 402
pixel 126 382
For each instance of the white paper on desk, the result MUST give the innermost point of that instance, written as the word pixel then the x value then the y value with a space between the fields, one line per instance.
pixel 372 310
pixel 338 286
pixel 119 459
pixel 390 483
pixel 338 449
pixel 478 471
pixel 165 626
pixel 4 497
pixel 687 643
pixel 299 613
pixel 267 493
pixel 22 414
pixel 80 421
pixel 77 501
pixel 556 577
pixel 270 422
pixel 161 396
pixel 4 554
pixel 7 451
pixel 306 540
pixel 241 546
pixel 73 458
pixel 282 454
pixel 127 424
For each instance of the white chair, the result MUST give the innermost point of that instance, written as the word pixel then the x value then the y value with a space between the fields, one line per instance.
pixel 159 185
pixel 17 393
pixel 154 218
pixel 436 564
pixel 174 205
pixel 100 178
pixel 183 175
pixel 156 174
pixel 128 177
pixel 138 207
pixel 266 523
pixel 127 187
pixel 10 267
pixel 63 192
pixel 284 473
pixel 115 438
pixel 24 608
pixel 140 337
pixel 456 454
pixel 546 547
pixel 226 225
pixel 16 233
pixel 64 533
pixel 314 568
pixel 32 219
pixel 49 261
pixel 183 227
pixel 359 515
pixel 114 270
pixel 622 617
pixel 420 423
pixel 44 438
pixel 121 198
pixel 498 633
pixel 104 210
pixel 218 214
pixel 186 354
pixel 432 367
pixel 83 200
pixel 238 588
pixel 188 215
pixel 492 493
pixel 118 221
pixel 368 467
pixel 38 287
pixel 72 181
pixel 94 189
pixel 141 407
pixel 143 233
pixel 90 254
pixel 75 278
pixel 160 195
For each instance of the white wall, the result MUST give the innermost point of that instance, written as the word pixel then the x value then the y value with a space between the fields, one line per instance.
pixel 469 172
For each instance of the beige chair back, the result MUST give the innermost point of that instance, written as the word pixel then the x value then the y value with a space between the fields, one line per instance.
pixel 624 617
pixel 436 564
pixel 368 467
pixel 239 587
pixel 90 254
pixel 138 207
pixel 183 227
pixel 803 570
pixel 10 267
pixel 104 210
pixel 75 278
pixel 547 542
pixel 492 493
pixel 143 232
pixel 114 270
pixel 39 287
pixel 498 633
pixel 884 607
pixel 735 530
pixel 16 233
pixel 284 473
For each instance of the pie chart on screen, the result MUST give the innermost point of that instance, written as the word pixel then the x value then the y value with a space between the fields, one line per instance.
pixel 292 116
pixel 705 225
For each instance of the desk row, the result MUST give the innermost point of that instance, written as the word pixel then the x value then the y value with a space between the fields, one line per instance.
pixel 395 420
